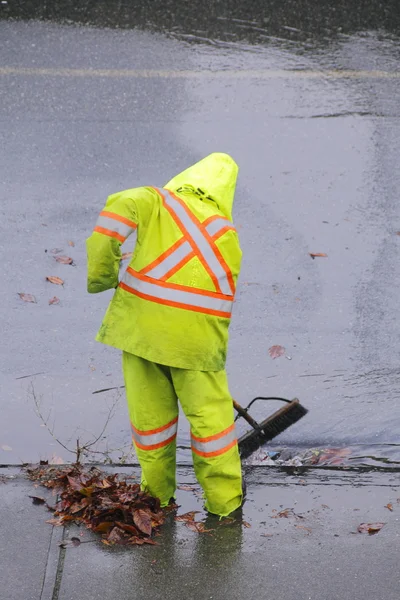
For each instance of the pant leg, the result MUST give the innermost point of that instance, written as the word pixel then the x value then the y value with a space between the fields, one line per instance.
pixel 207 403
pixel 153 412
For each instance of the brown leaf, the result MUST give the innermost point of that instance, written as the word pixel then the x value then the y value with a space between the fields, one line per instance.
pixel 54 300
pixel 389 506
pixel 27 297
pixel 65 260
pixel 70 243
pixel 56 280
pixel 370 528
pixel 286 513
pixel 57 522
pixel 142 520
pixel 104 527
pixel 307 529
pixel 56 250
pixel 189 516
pixel 37 500
pixel 246 524
pixel 128 528
pixel 317 254
pixel 126 255
pixel 198 527
pixel 116 536
pixel 276 351
pixel 186 488
pixel 267 534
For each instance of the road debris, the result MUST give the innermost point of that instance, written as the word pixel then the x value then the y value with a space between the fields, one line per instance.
pixel 27 297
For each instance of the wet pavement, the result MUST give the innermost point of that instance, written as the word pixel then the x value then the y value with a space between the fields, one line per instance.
pixel 103 97
pixel 298 538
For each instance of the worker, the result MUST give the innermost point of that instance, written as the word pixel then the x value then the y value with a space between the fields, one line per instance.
pixel 170 316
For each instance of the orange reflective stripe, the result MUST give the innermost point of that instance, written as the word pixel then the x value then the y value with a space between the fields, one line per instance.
pixel 106 213
pixel 214 445
pixel 192 243
pixel 178 267
pixel 152 439
pixel 221 232
pixel 153 431
pixel 175 304
pixel 110 233
pixel 163 256
pixel 177 286
pixel 215 452
pixel 155 446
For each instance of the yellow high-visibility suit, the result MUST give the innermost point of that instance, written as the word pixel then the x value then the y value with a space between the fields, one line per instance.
pixel 170 316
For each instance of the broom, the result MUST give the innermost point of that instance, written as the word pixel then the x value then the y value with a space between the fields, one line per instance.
pixel 269 428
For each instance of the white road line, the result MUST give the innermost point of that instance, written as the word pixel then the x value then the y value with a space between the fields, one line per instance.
pixel 205 74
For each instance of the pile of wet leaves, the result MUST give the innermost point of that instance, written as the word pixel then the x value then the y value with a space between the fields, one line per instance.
pixel 115 508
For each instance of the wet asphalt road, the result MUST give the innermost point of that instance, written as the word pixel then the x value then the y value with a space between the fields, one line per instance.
pixel 86 111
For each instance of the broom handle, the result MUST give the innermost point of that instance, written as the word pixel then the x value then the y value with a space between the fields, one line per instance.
pixel 243 413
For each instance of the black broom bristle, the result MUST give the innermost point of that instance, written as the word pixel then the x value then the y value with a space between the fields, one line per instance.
pixel 271 427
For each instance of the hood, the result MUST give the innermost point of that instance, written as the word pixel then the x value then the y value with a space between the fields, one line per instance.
pixel 214 176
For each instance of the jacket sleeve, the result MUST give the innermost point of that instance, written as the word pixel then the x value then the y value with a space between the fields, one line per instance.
pixel 122 214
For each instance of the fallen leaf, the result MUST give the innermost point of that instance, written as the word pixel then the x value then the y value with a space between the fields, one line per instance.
pixel 246 524
pixel 128 528
pixel 54 300
pixel 55 280
pixel 37 500
pixel 104 527
pixel 27 297
pixel 307 529
pixel 189 516
pixel 56 250
pixel 116 536
pixel 317 254
pixel 198 527
pixel 142 521
pixel 57 522
pixel 370 528
pixel 65 260
pixel 6 448
pixel 126 255
pixel 70 243
pixel 276 351
pixel 186 488
pixel 389 506
pixel 267 534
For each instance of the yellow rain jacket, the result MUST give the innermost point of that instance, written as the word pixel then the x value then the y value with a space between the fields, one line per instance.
pixel 174 302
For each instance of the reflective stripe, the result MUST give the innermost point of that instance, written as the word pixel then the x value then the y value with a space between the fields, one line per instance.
pixel 110 223
pixel 206 250
pixel 216 225
pixel 175 295
pixel 170 261
pixel 155 438
pixel 215 445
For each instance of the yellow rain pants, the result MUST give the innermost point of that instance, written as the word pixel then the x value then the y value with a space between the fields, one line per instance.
pixel 152 391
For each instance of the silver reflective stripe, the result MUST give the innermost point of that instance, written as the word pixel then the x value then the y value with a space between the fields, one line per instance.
pixel 153 439
pixel 170 261
pixel 113 225
pixel 190 299
pixel 217 224
pixel 206 250
pixel 214 445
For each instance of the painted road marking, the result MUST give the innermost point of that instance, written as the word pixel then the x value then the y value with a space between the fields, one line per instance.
pixel 205 74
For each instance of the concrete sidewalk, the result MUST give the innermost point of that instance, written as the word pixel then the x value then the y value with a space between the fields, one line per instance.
pixel 313 553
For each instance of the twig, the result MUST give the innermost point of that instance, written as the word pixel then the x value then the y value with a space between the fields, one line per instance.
pixel 81 448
